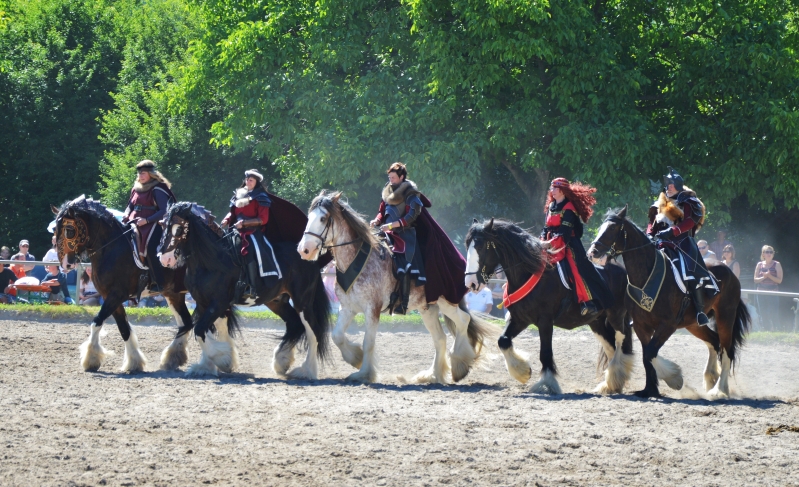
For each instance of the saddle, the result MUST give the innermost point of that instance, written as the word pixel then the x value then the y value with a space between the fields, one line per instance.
pixel 135 244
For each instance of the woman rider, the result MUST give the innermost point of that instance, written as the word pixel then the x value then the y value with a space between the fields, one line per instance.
pixel 568 207
pixel 147 205
pixel 249 210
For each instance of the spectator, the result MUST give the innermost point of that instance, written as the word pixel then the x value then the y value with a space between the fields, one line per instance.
pixel 7 293
pixel 768 276
pixel 721 242
pixel 87 293
pixel 708 256
pixel 481 301
pixel 5 254
pixel 52 254
pixel 728 259
pixel 58 292
pixel 23 254
pixel 329 278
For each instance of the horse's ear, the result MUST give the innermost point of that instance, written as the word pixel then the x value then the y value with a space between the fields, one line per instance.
pixel 54 209
pixel 490 225
pixel 623 212
pixel 336 197
pixel 475 221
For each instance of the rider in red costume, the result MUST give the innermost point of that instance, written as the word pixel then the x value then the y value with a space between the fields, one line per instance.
pixel 568 207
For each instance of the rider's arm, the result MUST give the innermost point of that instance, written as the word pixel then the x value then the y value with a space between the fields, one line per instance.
pixel 688 222
pixel 380 214
pixel 565 231
pixel 263 214
pixel 653 213
pixel 161 201
pixel 412 211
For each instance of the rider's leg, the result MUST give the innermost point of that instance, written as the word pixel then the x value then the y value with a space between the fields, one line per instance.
pixel 156 269
pixel 587 305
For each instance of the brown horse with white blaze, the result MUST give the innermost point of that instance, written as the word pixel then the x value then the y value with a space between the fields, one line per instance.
pixel 671 310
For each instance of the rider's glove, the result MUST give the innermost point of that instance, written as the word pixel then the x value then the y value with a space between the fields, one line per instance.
pixel 665 234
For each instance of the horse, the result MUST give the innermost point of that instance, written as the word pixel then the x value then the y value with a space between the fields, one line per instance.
pixel 550 303
pixel 213 262
pixel 672 310
pixel 333 225
pixel 84 227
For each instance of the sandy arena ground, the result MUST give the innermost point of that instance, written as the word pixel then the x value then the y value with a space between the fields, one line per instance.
pixel 62 426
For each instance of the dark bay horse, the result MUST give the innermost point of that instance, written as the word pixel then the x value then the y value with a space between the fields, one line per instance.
pixel 502 243
pixel 618 235
pixel 213 264
pixel 85 226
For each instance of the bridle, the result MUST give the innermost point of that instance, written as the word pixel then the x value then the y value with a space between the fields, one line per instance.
pixel 322 237
pixel 611 250
pixel 75 234
pixel 176 240
pixel 490 244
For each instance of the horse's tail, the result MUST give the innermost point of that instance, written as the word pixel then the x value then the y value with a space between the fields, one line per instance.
pixel 233 325
pixel 479 330
pixel 321 318
pixel 743 322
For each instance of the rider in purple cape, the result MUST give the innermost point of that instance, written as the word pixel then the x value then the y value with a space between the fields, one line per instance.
pixel 422 250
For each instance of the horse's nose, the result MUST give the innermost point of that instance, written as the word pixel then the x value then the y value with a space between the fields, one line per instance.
pixel 305 251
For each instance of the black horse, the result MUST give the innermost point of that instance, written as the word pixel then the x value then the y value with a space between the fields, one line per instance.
pixel 85 227
pixel 549 304
pixel 213 263
pixel 672 309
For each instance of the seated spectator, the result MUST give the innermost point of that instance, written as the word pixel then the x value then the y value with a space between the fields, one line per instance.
pixel 5 254
pixel 728 259
pixel 87 293
pixel 768 277
pixel 52 254
pixel 60 291
pixel 708 256
pixel 481 301
pixel 717 247
pixel 23 254
pixel 8 294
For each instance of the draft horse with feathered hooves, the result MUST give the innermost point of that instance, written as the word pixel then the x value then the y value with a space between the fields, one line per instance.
pixel 214 264
pixel 669 309
pixel 548 303
pixel 85 227
pixel 333 225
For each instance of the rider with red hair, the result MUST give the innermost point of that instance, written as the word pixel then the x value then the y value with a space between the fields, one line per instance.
pixel 568 207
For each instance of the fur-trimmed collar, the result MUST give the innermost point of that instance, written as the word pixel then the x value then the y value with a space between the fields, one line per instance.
pixel 395 196
pixel 143 188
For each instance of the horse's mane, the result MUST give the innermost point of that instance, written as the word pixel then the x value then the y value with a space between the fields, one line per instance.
pixel 516 247
pixel 92 208
pixel 203 241
pixel 613 215
pixel 332 203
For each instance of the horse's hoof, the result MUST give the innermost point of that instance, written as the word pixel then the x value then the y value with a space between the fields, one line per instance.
pixel 363 377
pixel 645 394
pixel 716 394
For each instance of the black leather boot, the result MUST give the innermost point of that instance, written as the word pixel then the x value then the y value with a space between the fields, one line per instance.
pixel 253 276
pixel 405 295
pixel 699 304
pixel 157 275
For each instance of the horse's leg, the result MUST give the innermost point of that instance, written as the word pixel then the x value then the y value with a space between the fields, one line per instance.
pixel 712 368
pixel 725 323
pixel 92 353
pixel 368 370
pixel 227 361
pixel 283 355
pixel 547 384
pixel 611 347
pixel 518 365
pixel 463 354
pixel 310 367
pixel 437 373
pixel 657 367
pixel 134 360
pixel 176 354
pixel 351 352
pixel 202 320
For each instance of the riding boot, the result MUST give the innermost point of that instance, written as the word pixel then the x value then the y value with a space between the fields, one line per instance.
pixel 699 304
pixel 253 276
pixel 156 273
pixel 405 295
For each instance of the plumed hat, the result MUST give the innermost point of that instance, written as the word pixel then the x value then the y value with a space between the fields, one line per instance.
pixel 253 173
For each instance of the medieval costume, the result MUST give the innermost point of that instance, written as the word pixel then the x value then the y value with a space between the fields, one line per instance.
pixel 564 229
pixel 422 250
pixel 148 202
pixel 251 208
pixel 685 215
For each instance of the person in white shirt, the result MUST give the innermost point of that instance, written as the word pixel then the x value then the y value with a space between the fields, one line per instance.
pixel 52 254
pixel 481 301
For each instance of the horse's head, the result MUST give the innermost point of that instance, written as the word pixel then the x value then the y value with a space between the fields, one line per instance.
pixel 172 248
pixel 611 237
pixel 481 256
pixel 318 232
pixel 71 230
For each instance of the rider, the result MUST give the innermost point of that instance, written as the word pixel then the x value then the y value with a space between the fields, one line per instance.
pixel 680 237
pixel 147 205
pixel 249 208
pixel 399 210
pixel 568 207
